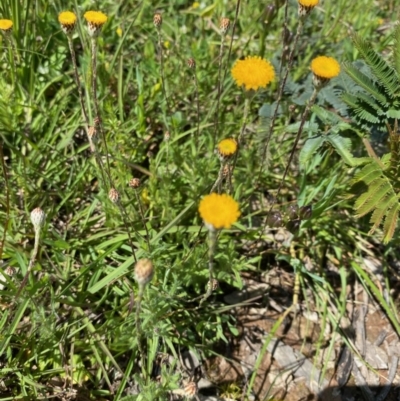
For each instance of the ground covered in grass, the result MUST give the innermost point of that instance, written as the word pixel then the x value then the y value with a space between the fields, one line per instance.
pixel 199 200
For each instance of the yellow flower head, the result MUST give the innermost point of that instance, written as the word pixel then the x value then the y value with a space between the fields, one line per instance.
pixel 305 6
pixel 227 147
pixel 6 25
pixel 253 73
pixel 308 3
pixel 219 211
pixel 95 20
pixel 67 20
pixel 325 67
pixel 119 31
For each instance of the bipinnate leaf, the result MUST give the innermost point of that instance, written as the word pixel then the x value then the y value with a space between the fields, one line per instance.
pixel 381 196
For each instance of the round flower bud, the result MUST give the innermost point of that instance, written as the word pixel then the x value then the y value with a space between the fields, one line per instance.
pixel 157 20
pixel 38 217
pixel 293 226
pixel 293 211
pixel 191 63
pixel 305 212
pixel 113 195
pixel 144 271
pixel 92 132
pixel 274 219
pixel 10 271
pixel 213 284
pixel 269 13
pixel 134 182
pixel 224 25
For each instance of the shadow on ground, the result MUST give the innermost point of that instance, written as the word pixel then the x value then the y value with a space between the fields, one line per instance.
pixel 360 393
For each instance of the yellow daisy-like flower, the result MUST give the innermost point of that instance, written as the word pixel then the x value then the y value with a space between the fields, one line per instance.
pixel 308 3
pixel 227 147
pixel 219 211
pixel 6 25
pixel 95 20
pixel 324 68
pixel 253 73
pixel 67 20
pixel 305 6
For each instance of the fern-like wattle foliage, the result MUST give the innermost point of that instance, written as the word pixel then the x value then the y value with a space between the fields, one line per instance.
pixel 381 196
pixel 377 103
pixel 377 96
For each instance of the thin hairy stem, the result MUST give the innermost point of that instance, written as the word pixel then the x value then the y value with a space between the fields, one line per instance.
pixel 292 152
pixel 125 221
pixel 212 244
pixel 7 193
pixel 246 109
pixel 79 87
pixel 31 261
pixel 218 181
pixel 219 89
pixel 196 94
pixel 143 219
pixel 160 54
pixel 96 106
pixel 13 59
pixel 280 91
pixel 139 334
pixel 84 111
pixel 231 42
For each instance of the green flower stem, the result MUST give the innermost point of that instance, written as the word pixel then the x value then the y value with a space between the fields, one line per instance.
pixel 299 132
pixel 96 105
pixel 78 84
pixel 281 88
pixel 31 261
pixel 143 219
pixel 218 181
pixel 7 203
pixel 139 333
pixel 247 101
pixel 164 90
pixel 212 245
pixel 219 89
pixel 196 93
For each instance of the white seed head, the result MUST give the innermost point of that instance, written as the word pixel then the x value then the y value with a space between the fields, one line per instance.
pixel 38 217
pixel 144 271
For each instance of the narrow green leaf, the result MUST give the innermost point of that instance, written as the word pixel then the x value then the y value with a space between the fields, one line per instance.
pixel 342 146
pixel 309 149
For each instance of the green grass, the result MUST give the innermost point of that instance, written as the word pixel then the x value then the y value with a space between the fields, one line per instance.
pixel 74 322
